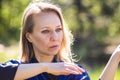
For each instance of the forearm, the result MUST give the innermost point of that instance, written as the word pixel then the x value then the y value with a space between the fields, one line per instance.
pixel 110 69
pixel 25 71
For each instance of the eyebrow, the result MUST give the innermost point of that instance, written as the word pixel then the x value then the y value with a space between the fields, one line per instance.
pixel 49 27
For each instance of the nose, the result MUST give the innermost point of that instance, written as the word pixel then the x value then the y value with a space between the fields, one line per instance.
pixel 54 36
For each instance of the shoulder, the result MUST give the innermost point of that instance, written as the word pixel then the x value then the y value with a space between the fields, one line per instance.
pixel 8 69
pixel 10 63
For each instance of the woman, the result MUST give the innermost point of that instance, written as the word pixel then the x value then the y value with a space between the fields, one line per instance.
pixel 45 41
pixel 112 65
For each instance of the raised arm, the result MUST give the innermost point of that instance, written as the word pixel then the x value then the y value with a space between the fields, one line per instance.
pixel 112 65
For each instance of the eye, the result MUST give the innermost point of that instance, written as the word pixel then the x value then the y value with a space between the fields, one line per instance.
pixel 45 31
pixel 58 29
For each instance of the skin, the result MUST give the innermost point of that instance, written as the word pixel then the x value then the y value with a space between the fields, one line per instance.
pixel 47 36
pixel 112 65
pixel 46 39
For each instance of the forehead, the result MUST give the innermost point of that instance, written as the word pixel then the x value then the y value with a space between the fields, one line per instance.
pixel 46 19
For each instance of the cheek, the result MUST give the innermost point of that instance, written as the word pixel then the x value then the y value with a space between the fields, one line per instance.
pixel 40 40
pixel 43 40
pixel 60 36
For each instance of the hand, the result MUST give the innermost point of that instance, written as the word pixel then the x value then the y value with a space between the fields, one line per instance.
pixel 63 68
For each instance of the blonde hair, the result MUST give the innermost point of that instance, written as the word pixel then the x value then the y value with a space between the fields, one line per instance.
pixel 64 53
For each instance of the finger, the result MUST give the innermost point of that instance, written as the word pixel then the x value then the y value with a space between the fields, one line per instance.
pixel 66 71
pixel 71 71
pixel 81 69
pixel 75 68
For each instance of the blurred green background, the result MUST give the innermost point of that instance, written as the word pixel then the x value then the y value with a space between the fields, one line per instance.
pixel 95 25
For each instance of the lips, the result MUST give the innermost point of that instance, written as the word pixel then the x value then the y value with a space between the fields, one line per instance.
pixel 54 46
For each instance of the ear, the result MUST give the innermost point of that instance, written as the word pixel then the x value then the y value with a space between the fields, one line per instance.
pixel 28 36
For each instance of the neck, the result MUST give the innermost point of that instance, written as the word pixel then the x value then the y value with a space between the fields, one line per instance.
pixel 44 58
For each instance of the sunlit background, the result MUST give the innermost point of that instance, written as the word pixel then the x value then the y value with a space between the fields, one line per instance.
pixel 95 25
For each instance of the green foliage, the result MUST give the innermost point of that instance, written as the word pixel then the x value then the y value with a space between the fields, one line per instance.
pixel 94 24
pixel 95 72
pixel 6 57
pixel 117 76
pixel 10 20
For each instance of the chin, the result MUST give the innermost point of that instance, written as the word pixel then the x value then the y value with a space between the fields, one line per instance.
pixel 53 54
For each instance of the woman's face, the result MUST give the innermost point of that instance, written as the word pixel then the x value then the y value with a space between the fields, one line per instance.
pixel 47 34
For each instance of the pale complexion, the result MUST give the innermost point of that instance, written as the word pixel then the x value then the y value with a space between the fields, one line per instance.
pixel 47 36
pixel 46 39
